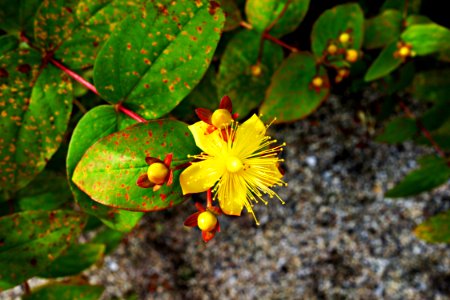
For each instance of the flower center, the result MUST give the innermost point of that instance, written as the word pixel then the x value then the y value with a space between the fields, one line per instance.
pixel 234 164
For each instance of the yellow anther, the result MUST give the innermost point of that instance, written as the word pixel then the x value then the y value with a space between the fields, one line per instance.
pixel 206 221
pixel 157 172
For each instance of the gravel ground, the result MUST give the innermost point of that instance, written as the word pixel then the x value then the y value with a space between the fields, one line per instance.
pixel 336 237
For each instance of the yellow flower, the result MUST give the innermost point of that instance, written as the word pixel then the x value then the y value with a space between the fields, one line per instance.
pixel 238 162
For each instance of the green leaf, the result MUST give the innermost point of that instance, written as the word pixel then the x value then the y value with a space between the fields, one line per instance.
pixel 232 13
pixel 442 135
pixel 339 19
pixel 110 238
pixel 382 29
pixel 37 106
pixel 97 123
pixel 431 85
pixel 18 16
pixel 436 116
pixel 8 43
pixel 416 20
pixel 152 62
pixel 400 79
pixel 398 130
pixel 291 87
pixel 109 170
pixel 95 22
pixel 262 13
pixel 427 38
pixel 433 172
pixel 237 77
pixel 58 291
pixel 76 259
pixel 436 229
pixel 413 6
pixel 31 240
pixel 384 64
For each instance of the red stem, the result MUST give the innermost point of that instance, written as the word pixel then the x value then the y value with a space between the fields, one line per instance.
pixel 269 37
pixel 208 198
pixel 92 88
pixel 131 114
pixel 422 128
pixel 75 76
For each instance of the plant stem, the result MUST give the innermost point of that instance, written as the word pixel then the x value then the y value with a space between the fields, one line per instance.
pixel 26 287
pixel 92 88
pixel 208 198
pixel 246 25
pixel 269 37
pixel 422 128
pixel 75 76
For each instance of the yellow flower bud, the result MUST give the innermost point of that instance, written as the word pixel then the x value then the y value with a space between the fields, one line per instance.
pixel 344 37
pixel 157 172
pixel 206 221
pixel 404 51
pixel 256 70
pixel 332 49
pixel 317 82
pixel 351 55
pixel 221 118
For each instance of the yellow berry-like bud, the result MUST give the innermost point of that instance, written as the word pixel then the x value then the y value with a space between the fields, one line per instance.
pixel 256 70
pixel 221 118
pixel 157 172
pixel 404 51
pixel 206 221
pixel 344 37
pixel 332 49
pixel 317 81
pixel 351 55
pixel 234 164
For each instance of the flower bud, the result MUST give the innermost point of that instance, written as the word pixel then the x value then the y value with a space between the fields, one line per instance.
pixel 404 51
pixel 256 70
pixel 221 118
pixel 332 49
pixel 206 221
pixel 344 37
pixel 317 82
pixel 351 55
pixel 157 172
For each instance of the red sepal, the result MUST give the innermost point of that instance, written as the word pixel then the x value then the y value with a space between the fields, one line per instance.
pixel 207 235
pixel 235 116
pixel 199 206
pixel 168 159
pixel 169 180
pixel 225 103
pixel 143 182
pixel 151 160
pixel 215 210
pixel 191 221
pixel 204 115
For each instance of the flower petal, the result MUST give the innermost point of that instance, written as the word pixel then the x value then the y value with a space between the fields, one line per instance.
pixel 200 176
pixel 249 136
pixel 232 194
pixel 210 143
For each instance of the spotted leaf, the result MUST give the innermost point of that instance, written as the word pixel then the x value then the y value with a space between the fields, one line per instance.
pixel 31 240
pixel 98 123
pixel 35 108
pixel 108 171
pixel 73 291
pixel 436 229
pixel 155 58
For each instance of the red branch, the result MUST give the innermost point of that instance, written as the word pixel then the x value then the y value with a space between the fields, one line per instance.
pixel 269 37
pixel 92 88
pixel 422 128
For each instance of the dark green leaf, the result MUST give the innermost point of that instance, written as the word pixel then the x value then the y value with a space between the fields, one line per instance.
pixel 339 19
pixel 8 43
pixel 433 172
pixel 74 260
pixel 240 77
pixel 400 79
pixel 151 62
pixel 110 238
pixel 412 5
pixel 436 116
pixel 384 64
pixel 37 106
pixel 442 135
pixel 398 130
pixel 18 16
pixel 382 29
pixel 431 85
pixel 417 19
pixel 436 229
pixel 291 87
pixel 97 123
pixel 109 170
pixel 58 291
pixel 31 240
pixel 262 13
pixel 427 38
pixel 232 13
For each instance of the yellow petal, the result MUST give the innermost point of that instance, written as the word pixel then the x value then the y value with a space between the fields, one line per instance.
pixel 249 136
pixel 232 194
pixel 210 143
pixel 200 176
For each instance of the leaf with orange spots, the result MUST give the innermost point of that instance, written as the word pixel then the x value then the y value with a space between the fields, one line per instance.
pixel 72 291
pixel 155 58
pixel 262 13
pixel 240 77
pixel 35 109
pixel 98 123
pixel 292 86
pixel 436 229
pixel 110 168
pixel 31 240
